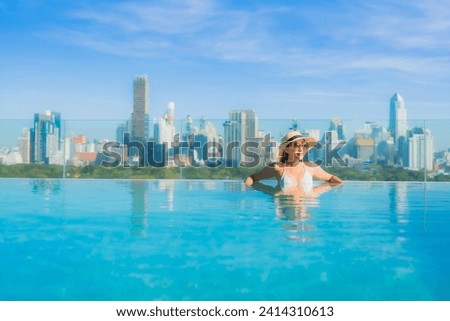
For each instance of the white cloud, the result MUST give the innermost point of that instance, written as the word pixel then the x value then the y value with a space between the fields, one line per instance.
pixel 394 36
pixel 96 41
pixel 399 25
pixel 172 17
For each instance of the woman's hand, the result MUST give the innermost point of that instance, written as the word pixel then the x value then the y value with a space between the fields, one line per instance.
pixel 249 181
pixel 335 180
pixel 265 173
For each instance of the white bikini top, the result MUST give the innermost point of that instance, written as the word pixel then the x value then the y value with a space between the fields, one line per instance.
pixel 287 182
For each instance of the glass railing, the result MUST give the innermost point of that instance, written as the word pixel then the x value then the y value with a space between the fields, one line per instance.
pixel 221 148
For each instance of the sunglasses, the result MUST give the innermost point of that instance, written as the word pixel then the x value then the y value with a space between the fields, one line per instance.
pixel 302 145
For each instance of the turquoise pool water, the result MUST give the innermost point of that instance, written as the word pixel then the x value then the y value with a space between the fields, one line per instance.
pixel 219 240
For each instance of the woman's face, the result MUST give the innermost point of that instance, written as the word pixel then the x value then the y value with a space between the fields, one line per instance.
pixel 297 150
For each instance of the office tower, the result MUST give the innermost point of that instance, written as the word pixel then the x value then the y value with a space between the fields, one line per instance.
pixel 245 124
pixel 364 147
pixel 139 117
pixel 242 127
pixel 207 140
pixel 337 125
pixel 398 128
pixel 24 145
pixel 398 119
pixel 188 127
pixel 231 148
pixel 171 113
pixel 164 128
pixel 384 149
pixel 331 141
pixel 250 122
pixel 120 132
pixel 420 149
pixel 45 137
pixel 69 149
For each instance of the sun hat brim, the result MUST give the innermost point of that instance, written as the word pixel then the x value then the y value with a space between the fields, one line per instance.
pixel 296 137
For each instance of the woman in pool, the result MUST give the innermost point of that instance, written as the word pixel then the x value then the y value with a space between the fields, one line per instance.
pixel 290 171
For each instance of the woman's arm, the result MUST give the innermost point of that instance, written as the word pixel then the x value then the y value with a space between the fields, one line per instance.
pixel 266 188
pixel 320 173
pixel 265 173
pixel 335 179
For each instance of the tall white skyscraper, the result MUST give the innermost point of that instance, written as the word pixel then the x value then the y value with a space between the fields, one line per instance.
pixel 171 113
pixel 420 149
pixel 164 128
pixel 139 117
pixel 398 126
pixel 24 145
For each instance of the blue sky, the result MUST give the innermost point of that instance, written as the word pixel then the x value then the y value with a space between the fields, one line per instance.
pixel 284 59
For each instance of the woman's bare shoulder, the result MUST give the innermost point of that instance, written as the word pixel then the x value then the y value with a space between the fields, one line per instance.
pixel 311 164
pixel 312 167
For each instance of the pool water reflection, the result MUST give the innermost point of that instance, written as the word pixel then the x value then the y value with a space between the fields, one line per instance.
pixel 221 240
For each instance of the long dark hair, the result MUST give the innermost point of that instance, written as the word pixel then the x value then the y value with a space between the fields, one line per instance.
pixel 281 160
pixel 284 157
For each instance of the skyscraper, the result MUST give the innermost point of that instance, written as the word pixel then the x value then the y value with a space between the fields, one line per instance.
pixel 337 125
pixel 45 137
pixel 241 128
pixel 398 127
pixel 120 132
pixel 420 149
pixel 24 145
pixel 164 128
pixel 397 118
pixel 139 117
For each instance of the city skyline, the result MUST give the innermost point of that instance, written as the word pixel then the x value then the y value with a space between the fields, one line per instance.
pixel 394 145
pixel 399 144
pixel 285 61
pixel 108 129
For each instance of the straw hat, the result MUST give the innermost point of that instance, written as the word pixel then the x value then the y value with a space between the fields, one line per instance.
pixel 294 136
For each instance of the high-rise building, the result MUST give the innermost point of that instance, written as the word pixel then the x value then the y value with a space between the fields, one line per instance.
pixel 120 132
pixel 171 113
pixel 164 128
pixel 242 127
pixel 398 126
pixel 45 137
pixel 24 145
pixel 337 125
pixel 384 149
pixel 140 115
pixel 364 147
pixel 420 149
pixel 188 128
pixel 207 140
